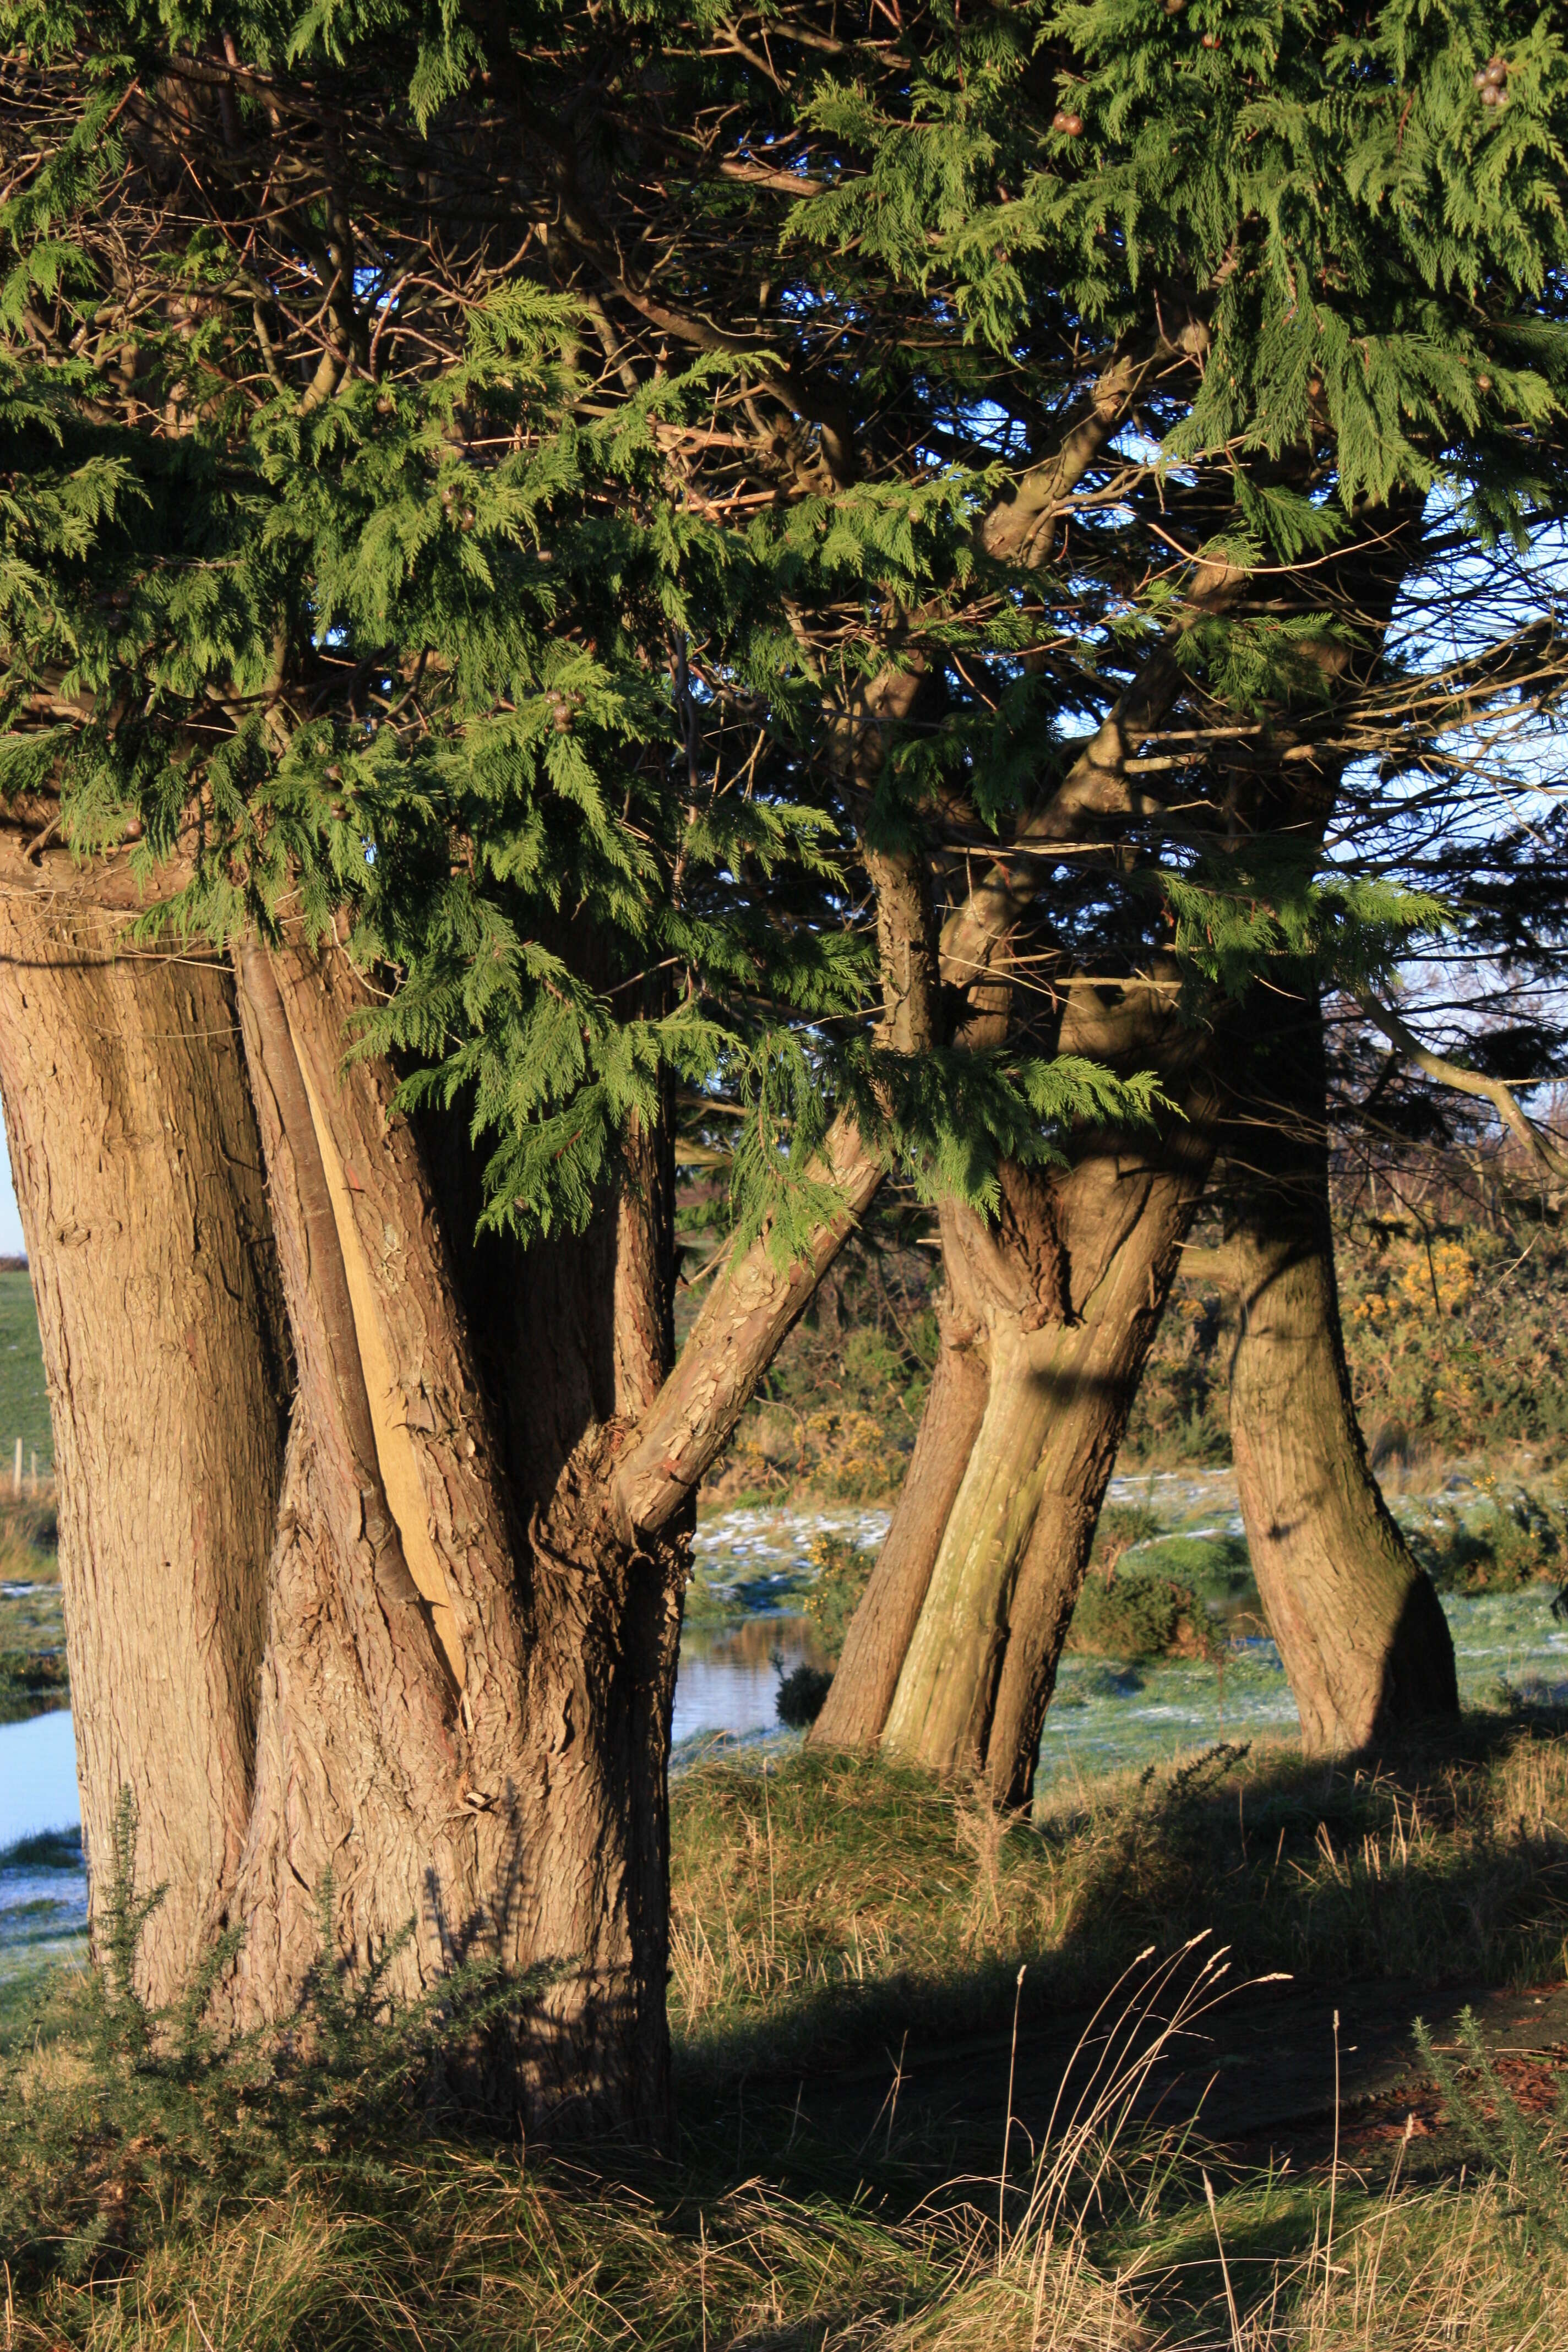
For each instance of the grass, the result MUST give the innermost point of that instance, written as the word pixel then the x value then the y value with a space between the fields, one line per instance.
pixel 156 2193
pixel 24 1397
pixel 33 1676
pixel 834 1901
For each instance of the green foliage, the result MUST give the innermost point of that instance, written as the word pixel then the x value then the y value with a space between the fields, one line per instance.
pixel 1151 1595
pixel 803 1693
pixel 363 560
pixel 1517 1541
pixel 1524 2151
pixel 1138 1613
pixel 841 1571
pixel 1119 1526
pixel 157 2123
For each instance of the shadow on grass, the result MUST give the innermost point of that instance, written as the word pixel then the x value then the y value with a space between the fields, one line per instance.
pixel 834 1906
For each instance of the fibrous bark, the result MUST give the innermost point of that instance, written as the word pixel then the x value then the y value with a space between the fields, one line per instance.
pixel 1361 1629
pixel 139 1175
pixel 469 1732
pixel 422 1655
pixel 883 1624
pixel 1075 1286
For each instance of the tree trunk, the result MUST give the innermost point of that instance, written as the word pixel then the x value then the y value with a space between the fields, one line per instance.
pixel 422 1655
pixel 474 1750
pixel 1075 1284
pixel 883 1624
pixel 1360 1628
pixel 138 1176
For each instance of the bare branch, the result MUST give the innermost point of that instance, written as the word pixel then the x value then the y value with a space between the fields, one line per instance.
pixel 1546 1154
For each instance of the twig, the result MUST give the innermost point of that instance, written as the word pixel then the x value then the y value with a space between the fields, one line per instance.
pixel 1007 2128
pixel 1541 1148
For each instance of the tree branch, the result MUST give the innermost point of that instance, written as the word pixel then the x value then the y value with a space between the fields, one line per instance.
pixel 1546 1154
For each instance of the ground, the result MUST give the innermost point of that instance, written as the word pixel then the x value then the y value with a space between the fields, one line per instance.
pixel 855 2051
pixel 1144 2071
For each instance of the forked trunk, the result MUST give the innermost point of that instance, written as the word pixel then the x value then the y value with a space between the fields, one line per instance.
pixel 422 1658
pixel 476 1750
pixel 138 1176
pixel 1070 1325
pixel 1361 1630
pixel 883 1624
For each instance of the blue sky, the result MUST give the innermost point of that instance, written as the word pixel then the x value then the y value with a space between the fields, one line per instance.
pixel 11 1243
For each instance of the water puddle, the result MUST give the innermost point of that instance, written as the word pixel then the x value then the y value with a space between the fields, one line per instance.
pixel 43 1886
pixel 727 1682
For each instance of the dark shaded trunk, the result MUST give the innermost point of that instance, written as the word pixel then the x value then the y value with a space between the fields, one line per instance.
pixel 139 1175
pixel 1360 1628
pixel 883 1624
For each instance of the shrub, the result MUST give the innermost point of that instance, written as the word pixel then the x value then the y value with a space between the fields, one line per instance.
pixel 121 2125
pixel 802 1696
pixel 842 1571
pixel 1121 1526
pixel 1138 1613
pixel 1525 1541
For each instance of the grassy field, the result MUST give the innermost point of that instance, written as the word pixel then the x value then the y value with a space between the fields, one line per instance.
pixel 868 2154
pixel 23 1399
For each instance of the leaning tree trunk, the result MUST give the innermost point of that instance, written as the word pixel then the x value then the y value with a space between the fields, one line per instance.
pixel 884 1621
pixel 138 1176
pixel 1076 1281
pixel 1361 1629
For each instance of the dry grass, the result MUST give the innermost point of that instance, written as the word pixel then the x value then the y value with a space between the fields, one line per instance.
pixel 803 1899
pixel 1444 2268
pixel 836 1897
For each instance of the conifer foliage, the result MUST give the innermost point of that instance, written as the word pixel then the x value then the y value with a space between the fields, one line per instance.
pixel 638 564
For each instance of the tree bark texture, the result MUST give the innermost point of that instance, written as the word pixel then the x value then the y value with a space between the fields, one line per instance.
pixel 459 1727
pixel 883 1624
pixel 1360 1628
pixel 139 1175
pixel 1074 1279
pixel 381 1642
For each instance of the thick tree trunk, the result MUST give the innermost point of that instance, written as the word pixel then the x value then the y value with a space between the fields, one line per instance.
pixel 1360 1628
pixel 474 1750
pixel 1075 1288
pixel 418 1658
pixel 137 1172
pixel 883 1624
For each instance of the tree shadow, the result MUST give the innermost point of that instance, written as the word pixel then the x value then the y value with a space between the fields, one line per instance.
pixel 1383 1887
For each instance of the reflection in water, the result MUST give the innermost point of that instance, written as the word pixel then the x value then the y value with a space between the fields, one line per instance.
pixel 729 1681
